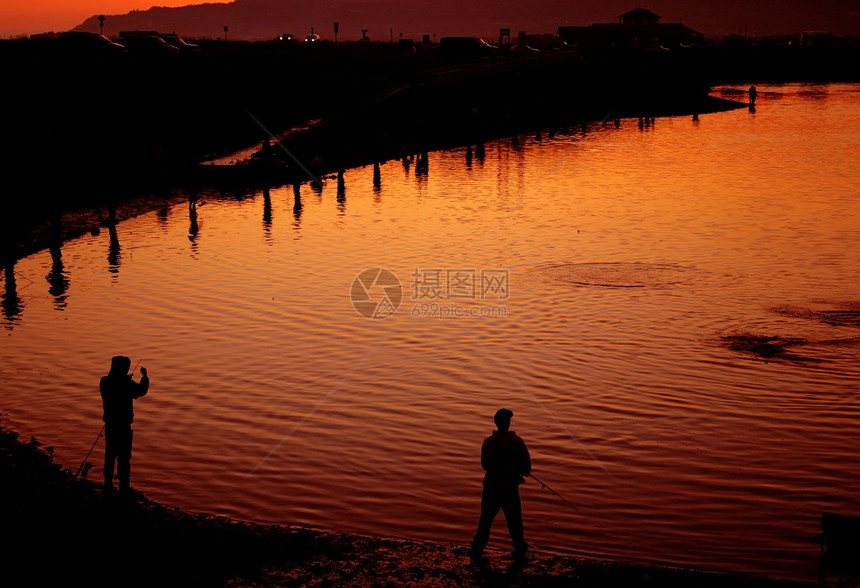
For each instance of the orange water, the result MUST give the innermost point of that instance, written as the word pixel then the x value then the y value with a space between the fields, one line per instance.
pixel 623 255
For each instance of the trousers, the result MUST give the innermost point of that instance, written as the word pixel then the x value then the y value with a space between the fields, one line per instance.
pixel 118 451
pixel 506 499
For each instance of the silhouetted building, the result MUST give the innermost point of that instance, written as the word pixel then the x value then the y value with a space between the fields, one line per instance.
pixel 636 29
pixel 639 17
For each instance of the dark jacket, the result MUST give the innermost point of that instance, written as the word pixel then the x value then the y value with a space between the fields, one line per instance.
pixel 118 394
pixel 506 458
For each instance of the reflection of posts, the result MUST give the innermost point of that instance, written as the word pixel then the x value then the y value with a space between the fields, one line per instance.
pixel 297 202
pixel 11 302
pixel 56 277
pixel 267 210
pixel 118 392
pixel 341 188
pixel 422 165
pixel 506 459
pixel 59 283
pixel 377 177
pixel 193 227
pixel 114 255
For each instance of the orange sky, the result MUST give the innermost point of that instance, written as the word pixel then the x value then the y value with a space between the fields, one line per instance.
pixel 25 17
pixel 39 16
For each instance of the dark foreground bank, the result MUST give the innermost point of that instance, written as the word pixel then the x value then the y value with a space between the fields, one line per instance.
pixel 60 530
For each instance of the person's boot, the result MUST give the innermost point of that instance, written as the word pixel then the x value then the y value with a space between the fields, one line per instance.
pixel 519 552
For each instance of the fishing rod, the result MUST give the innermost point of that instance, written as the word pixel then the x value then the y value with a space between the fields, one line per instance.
pixel 83 463
pixel 543 485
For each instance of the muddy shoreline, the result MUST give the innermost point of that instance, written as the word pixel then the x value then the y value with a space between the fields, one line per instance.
pixel 61 529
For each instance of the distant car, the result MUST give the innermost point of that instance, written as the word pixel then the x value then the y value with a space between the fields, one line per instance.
pixel 287 37
pixel 524 49
pixel 184 46
pixel 312 38
pixel 150 45
pixel 90 43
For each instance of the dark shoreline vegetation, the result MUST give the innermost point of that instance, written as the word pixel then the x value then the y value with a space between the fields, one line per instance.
pixel 60 529
pixel 88 132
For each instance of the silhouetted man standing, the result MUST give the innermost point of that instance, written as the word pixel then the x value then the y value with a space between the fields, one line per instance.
pixel 506 459
pixel 118 394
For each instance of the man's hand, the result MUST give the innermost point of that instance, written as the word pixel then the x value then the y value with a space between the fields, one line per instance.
pixel 143 371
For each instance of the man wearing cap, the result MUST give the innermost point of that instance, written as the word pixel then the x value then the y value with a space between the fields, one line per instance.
pixel 506 459
pixel 118 392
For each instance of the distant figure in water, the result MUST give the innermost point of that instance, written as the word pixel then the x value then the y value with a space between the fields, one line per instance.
pixel 753 94
pixel 506 459
pixel 118 394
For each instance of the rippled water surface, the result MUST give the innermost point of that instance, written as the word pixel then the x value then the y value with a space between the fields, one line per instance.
pixel 671 312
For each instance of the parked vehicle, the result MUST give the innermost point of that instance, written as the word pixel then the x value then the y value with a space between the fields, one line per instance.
pixel 184 46
pixel 147 43
pixel 524 49
pixel 89 43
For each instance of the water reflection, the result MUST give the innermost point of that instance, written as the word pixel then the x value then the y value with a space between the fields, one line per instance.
pixel 12 305
pixel 193 226
pixel 422 167
pixel 317 187
pixel 267 213
pixel 57 280
pixel 480 152
pixel 377 178
pixel 341 192
pixel 58 283
pixel 114 253
pixel 297 205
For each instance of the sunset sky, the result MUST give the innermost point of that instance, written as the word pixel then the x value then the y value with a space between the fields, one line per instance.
pixel 708 16
pixel 23 18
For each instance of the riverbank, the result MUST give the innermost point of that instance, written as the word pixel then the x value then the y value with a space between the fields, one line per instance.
pixel 61 529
